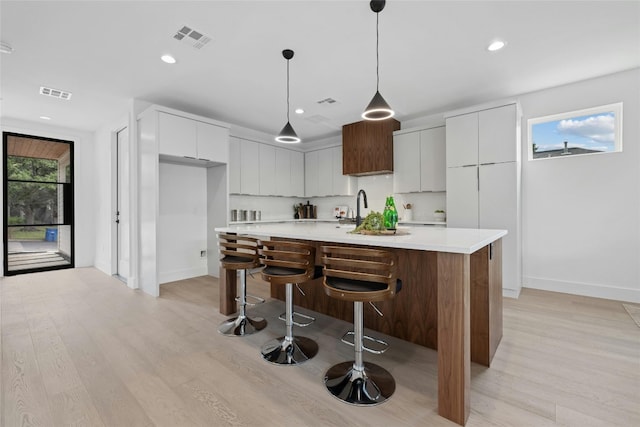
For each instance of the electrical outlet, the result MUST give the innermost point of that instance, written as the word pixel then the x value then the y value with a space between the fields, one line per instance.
pixel 203 254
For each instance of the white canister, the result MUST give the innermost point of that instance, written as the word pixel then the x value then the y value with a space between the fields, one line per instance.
pixel 408 215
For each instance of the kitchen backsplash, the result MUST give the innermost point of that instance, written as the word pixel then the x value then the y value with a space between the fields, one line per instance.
pixel 377 187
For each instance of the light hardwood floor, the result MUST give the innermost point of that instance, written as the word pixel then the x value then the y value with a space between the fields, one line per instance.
pixel 80 348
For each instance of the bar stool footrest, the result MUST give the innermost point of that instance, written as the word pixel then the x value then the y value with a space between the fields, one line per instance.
pixel 309 319
pixel 384 346
pixel 257 300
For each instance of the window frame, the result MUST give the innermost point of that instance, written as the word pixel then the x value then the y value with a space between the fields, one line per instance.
pixel 616 108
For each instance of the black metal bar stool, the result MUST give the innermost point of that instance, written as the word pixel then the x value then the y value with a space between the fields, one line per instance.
pixel 360 275
pixel 240 253
pixel 287 263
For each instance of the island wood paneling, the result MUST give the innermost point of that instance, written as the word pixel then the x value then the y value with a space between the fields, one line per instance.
pixel 454 370
pixel 411 315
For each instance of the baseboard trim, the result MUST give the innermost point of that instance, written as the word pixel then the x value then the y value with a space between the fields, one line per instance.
pixel 172 276
pixel 510 293
pixel 584 289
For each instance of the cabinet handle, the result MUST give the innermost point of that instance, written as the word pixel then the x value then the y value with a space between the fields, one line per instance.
pixel 206 160
pixel 189 157
pixel 487 164
pixel 468 166
pixel 478 178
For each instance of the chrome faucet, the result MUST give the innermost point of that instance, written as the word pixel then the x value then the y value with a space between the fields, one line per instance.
pixel 358 217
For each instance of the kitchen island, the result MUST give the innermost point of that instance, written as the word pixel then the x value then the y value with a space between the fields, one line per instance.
pixel 451 299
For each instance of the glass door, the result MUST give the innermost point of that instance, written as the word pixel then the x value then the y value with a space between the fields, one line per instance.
pixel 38 204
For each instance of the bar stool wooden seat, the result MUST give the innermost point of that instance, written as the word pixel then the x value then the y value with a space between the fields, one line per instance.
pixel 240 253
pixel 360 275
pixel 287 263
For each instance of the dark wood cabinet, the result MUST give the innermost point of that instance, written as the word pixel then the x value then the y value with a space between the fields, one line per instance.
pixel 367 147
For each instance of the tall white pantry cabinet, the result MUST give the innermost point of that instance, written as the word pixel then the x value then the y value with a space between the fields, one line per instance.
pixel 483 179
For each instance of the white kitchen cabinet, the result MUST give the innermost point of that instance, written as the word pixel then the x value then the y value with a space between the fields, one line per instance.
pixel 176 136
pixel 235 164
pixel 325 172
pixel 433 164
pixel 419 161
pixel 406 162
pixel 484 192
pixel 462 197
pixel 283 172
pixel 496 128
pixel 342 184
pixel 311 177
pixel 212 142
pixel 267 170
pixel 462 140
pixel 193 139
pixel 249 172
pixel 297 174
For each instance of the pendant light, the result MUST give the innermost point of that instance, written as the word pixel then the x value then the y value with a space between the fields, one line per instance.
pixel 287 135
pixel 378 109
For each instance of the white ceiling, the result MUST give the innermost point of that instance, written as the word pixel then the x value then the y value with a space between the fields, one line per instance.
pixel 432 56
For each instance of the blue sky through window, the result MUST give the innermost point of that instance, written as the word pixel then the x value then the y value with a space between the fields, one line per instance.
pixel 593 132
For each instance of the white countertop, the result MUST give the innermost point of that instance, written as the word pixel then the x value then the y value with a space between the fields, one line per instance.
pixel 440 239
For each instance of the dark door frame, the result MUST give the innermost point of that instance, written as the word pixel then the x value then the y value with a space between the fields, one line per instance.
pixel 69 202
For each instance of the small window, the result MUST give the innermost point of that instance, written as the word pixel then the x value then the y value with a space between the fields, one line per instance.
pixel 591 131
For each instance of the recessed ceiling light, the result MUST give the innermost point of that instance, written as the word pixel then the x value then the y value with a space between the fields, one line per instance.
pixel 299 111
pixel 496 45
pixel 45 118
pixel 168 59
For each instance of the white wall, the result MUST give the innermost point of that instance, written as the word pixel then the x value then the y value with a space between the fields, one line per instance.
pixel 84 174
pixel 581 214
pixel 182 222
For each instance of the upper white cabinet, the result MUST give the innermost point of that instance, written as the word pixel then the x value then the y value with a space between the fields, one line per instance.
pixel 462 140
pixel 234 165
pixel 297 173
pixel 419 161
pixel 323 174
pixel 265 170
pixel 433 164
pixel 496 130
pixel 176 136
pixel 185 137
pixel 311 177
pixel 482 137
pixel 343 185
pixel 249 167
pixel 212 143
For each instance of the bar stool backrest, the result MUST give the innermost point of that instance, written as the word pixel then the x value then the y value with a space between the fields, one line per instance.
pixel 238 252
pixel 359 274
pixel 286 261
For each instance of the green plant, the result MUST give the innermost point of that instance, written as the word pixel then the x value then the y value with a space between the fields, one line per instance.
pixel 372 222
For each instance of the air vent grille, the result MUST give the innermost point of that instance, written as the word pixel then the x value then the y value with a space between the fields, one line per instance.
pixel 327 101
pixel 194 38
pixel 55 93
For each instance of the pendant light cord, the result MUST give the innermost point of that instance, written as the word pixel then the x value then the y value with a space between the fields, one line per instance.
pixel 287 91
pixel 377 54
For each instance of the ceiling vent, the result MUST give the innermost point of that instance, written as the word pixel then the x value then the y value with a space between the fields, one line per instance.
pixel 327 101
pixel 56 93
pixel 192 37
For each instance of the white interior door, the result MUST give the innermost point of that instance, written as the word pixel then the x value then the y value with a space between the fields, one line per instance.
pixel 123 211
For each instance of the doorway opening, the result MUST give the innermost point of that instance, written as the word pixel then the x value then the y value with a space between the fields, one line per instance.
pixel 38 204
